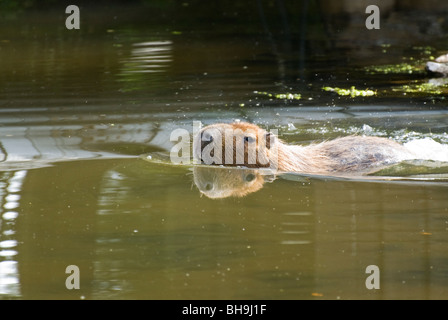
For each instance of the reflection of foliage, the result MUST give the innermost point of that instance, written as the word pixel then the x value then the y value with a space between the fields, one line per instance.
pixel 133 81
pixel 158 3
pixel 10 9
pixel 147 63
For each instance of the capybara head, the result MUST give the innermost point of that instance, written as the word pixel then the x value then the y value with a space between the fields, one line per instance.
pixel 236 144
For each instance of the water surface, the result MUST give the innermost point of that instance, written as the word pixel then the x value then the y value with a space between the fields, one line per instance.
pixel 78 109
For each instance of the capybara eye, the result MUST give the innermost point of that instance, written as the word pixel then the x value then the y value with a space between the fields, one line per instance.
pixel 208 187
pixel 249 139
pixel 206 136
pixel 250 177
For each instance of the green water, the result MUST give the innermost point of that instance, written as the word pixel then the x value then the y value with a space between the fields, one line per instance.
pixel 79 108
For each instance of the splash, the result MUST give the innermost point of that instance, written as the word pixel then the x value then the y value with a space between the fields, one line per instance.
pixel 428 149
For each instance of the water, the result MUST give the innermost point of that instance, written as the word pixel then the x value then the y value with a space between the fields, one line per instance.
pixel 80 111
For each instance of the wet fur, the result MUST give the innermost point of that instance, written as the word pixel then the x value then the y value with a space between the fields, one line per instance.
pixel 346 154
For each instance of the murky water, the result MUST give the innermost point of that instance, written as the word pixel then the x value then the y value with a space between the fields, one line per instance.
pixel 80 109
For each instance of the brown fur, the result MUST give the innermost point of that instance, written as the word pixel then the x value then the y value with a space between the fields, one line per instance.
pixel 346 154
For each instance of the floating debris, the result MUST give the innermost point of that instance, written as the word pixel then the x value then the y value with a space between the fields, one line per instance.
pixel 282 96
pixel 353 92
pixel 395 68
pixel 424 88
pixel 414 66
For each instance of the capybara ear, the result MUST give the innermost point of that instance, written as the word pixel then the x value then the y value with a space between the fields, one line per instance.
pixel 269 178
pixel 270 139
